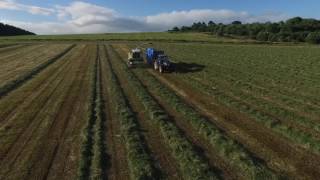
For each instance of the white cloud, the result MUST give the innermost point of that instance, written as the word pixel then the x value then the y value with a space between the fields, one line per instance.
pixel 181 18
pixel 82 12
pixel 13 5
pixel 82 17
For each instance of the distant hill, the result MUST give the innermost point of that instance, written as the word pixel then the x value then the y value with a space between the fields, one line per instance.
pixel 8 30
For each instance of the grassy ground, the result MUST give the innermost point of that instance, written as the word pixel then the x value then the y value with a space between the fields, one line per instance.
pixel 156 36
pixel 231 111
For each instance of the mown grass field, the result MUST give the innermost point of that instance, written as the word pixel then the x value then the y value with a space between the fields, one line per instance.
pixel 74 110
pixel 153 36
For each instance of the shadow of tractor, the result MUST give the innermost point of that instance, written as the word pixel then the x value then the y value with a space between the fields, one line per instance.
pixel 182 67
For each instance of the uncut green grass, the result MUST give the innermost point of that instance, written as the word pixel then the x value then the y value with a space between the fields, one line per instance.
pixel 147 36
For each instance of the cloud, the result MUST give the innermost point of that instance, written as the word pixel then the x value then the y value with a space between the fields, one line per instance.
pixel 13 5
pixel 181 18
pixel 83 17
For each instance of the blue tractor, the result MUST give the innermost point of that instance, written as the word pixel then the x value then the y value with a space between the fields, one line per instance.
pixel 159 60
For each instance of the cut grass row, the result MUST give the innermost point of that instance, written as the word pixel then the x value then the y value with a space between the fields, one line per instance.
pixel 271 117
pixel 99 148
pixel 8 48
pixel 274 107
pixel 5 89
pixel 139 160
pixel 13 103
pixel 88 142
pixel 273 73
pixel 93 158
pixel 227 148
pixel 301 137
pixel 192 165
pixel 35 120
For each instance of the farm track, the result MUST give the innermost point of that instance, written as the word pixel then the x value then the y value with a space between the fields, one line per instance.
pixel 278 152
pixel 160 153
pixel 38 125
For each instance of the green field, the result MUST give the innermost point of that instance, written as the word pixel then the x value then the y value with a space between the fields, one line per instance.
pixel 156 36
pixel 276 85
pixel 232 109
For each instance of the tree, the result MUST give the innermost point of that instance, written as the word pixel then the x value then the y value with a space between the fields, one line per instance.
pixel 211 23
pixel 185 29
pixel 263 36
pixel 296 29
pixel 273 37
pixel 220 31
pixel 236 22
pixel 175 29
pixel 313 37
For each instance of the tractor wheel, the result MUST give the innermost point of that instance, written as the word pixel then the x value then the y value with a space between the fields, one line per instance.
pixel 160 69
pixel 155 65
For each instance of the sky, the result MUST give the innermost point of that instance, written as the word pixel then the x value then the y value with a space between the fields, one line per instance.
pixel 102 16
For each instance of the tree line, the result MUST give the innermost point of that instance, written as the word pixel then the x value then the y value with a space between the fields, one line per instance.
pixel 296 29
pixel 8 30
